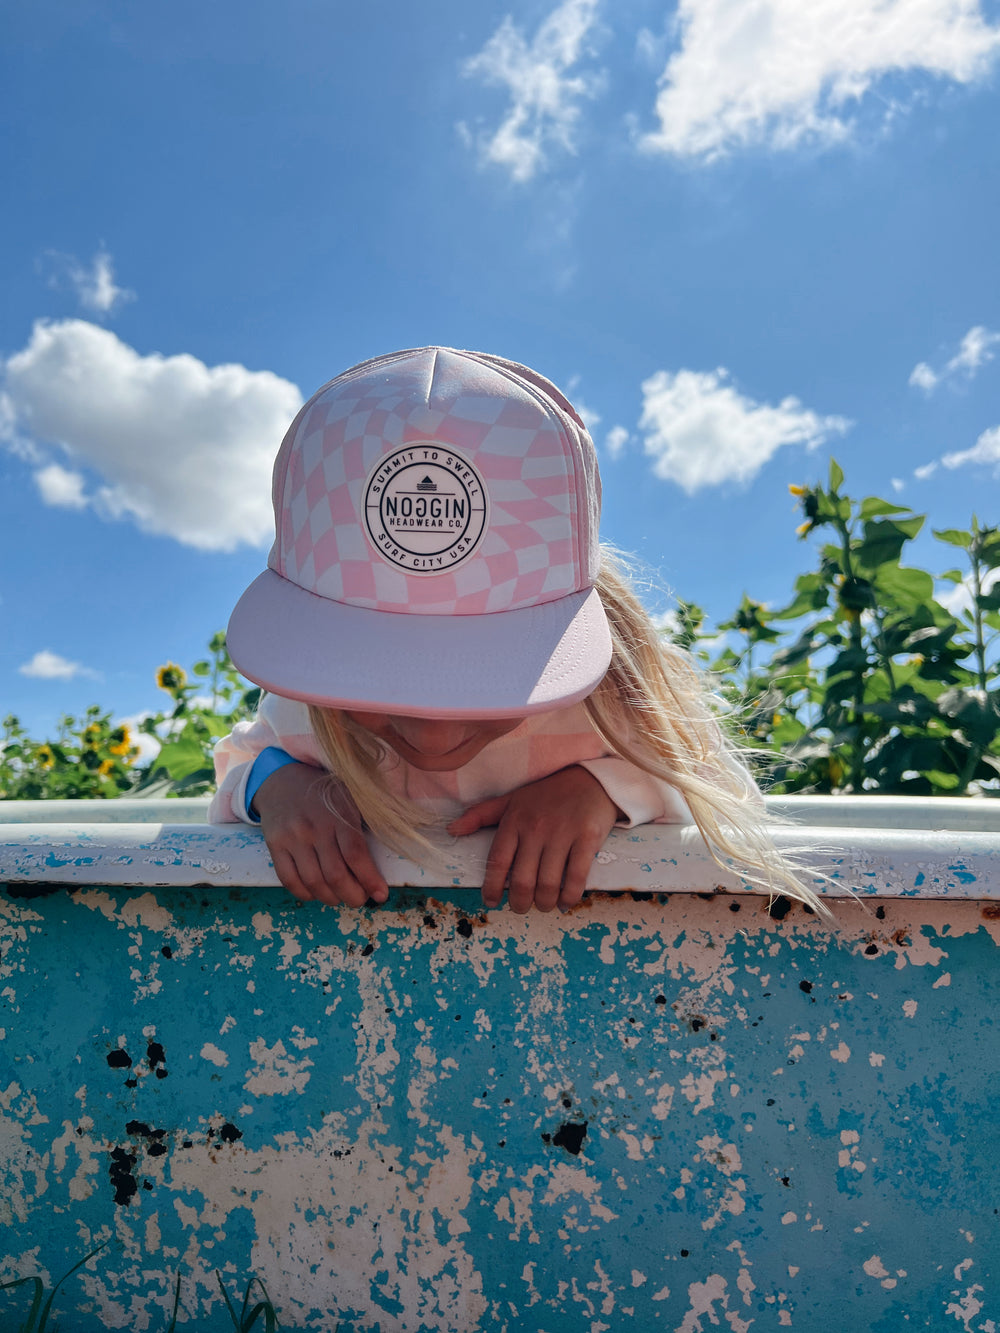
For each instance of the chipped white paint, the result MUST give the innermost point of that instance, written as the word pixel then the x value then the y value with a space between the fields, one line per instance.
pixel 886 851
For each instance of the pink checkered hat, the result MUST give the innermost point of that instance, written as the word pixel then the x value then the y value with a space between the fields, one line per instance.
pixel 436 518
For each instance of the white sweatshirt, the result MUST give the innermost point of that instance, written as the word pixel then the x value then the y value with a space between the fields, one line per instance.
pixel 541 745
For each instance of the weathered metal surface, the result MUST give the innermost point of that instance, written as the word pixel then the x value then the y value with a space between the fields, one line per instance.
pixel 666 1112
pixel 959 857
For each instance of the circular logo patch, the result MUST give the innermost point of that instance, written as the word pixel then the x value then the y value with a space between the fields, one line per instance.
pixel 425 508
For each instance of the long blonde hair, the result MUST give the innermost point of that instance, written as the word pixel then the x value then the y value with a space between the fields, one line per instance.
pixel 652 710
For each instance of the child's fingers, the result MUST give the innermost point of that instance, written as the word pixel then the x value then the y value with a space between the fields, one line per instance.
pixel 522 877
pixel 578 868
pixel 285 869
pixel 552 869
pixel 484 814
pixel 307 880
pixel 352 849
pixel 498 863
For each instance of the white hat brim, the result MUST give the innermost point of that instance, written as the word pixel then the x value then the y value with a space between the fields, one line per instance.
pixel 506 664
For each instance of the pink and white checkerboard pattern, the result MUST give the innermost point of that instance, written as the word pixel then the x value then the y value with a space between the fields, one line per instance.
pixel 535 458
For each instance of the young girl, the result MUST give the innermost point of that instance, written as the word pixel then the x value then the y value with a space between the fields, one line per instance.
pixel 444 644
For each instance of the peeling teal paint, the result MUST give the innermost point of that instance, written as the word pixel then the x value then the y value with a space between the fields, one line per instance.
pixel 654 1112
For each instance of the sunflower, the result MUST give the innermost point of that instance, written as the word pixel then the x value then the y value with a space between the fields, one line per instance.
pixel 45 756
pixel 171 677
pixel 106 767
pixel 121 741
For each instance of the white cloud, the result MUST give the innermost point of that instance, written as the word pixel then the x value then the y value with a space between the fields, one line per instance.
pixel 957 597
pixel 544 94
pixel 922 377
pixel 183 450
pixel 975 349
pixel 701 432
pixel 985 450
pixel 95 287
pixel 616 440
pixel 784 72
pixel 46 665
pixel 60 487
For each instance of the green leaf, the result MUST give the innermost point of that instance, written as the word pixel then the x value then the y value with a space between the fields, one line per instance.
pixel 872 506
pixel 976 714
pixel 989 551
pixel 953 537
pixel 907 587
pixel 836 475
pixel 906 708
pixel 884 540
pixel 183 755
pixel 811 594
pixel 931 639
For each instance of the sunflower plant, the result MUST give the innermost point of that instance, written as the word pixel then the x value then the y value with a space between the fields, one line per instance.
pixel 881 688
pixel 94 756
pixel 90 756
pixel 204 707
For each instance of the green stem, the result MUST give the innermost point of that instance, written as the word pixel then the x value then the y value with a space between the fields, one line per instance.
pixel 977 613
pixel 857 643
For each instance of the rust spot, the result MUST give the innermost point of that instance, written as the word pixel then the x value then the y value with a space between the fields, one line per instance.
pixel 571 1136
pixel 120 1175
pixel 157 1058
pixel 900 938
pixel 586 904
pixel 991 912
pixel 464 927
pixel 119 1059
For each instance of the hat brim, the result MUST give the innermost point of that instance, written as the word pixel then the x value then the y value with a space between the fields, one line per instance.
pixel 507 664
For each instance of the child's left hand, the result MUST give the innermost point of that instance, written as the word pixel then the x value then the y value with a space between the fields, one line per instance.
pixel 548 834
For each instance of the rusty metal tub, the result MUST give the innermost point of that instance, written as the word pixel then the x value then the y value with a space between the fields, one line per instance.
pixel 675 1107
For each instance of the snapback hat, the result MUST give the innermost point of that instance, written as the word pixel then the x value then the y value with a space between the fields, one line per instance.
pixel 436 517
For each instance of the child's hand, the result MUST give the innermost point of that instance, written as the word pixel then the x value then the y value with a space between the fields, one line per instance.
pixel 317 854
pixel 548 834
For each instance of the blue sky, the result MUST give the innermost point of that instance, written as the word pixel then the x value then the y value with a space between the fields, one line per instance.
pixel 743 234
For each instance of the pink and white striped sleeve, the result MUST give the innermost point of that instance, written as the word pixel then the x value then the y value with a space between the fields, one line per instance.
pixel 283 723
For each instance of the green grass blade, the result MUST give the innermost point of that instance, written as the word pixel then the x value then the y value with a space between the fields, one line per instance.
pixel 177 1300
pixel 225 1297
pixel 30 1326
pixel 47 1308
pixel 266 1309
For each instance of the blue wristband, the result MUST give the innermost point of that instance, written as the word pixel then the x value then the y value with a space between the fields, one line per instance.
pixel 266 763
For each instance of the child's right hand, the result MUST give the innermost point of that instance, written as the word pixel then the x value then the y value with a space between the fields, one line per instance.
pixel 318 853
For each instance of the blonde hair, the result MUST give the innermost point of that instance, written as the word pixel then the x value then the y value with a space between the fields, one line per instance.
pixel 652 710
